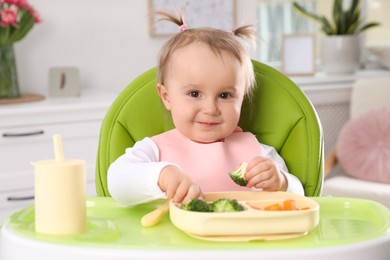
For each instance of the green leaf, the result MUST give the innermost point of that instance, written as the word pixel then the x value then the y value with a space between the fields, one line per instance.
pixel 355 8
pixel 353 17
pixel 338 16
pixel 367 26
pixel 326 27
pixel 344 21
pixel 352 27
pixel 26 23
pixel 301 10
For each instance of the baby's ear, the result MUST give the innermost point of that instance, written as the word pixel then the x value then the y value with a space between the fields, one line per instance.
pixel 163 93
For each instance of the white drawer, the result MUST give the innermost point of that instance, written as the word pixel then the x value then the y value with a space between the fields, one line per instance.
pixel 80 141
pixel 21 198
pixel 25 135
pixel 16 199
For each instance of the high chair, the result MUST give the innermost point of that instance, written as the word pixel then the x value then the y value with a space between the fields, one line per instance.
pixel 279 114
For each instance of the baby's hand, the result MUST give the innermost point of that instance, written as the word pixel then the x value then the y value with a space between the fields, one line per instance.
pixel 263 173
pixel 178 186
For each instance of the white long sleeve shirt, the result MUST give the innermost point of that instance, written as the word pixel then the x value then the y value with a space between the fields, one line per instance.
pixel 133 177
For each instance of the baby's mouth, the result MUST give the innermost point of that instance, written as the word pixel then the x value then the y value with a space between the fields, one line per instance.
pixel 209 124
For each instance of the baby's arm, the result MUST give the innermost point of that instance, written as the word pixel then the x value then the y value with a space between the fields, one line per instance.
pixel 135 177
pixel 269 172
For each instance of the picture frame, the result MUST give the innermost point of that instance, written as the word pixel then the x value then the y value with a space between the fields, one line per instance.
pixel 298 54
pixel 219 14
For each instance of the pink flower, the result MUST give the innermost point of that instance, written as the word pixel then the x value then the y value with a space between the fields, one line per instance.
pixel 36 16
pixel 20 15
pixel 31 10
pixel 21 3
pixel 12 2
pixel 8 17
pixel 17 3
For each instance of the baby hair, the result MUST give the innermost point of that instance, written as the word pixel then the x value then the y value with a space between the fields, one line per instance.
pixel 218 40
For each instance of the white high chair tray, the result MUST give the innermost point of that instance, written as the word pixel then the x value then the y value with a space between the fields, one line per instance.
pixel 348 228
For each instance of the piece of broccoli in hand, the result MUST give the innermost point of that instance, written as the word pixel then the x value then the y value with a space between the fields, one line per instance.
pixel 196 205
pixel 226 205
pixel 238 176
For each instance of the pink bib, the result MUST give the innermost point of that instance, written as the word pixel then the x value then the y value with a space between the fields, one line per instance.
pixel 209 164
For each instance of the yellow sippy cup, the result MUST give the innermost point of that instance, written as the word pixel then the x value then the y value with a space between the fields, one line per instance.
pixel 60 194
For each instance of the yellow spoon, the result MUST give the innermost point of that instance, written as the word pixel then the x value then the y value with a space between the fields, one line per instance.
pixel 153 217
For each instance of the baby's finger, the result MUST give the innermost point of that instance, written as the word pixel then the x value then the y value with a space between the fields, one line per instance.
pixel 267 185
pixel 171 189
pixel 193 193
pixel 257 179
pixel 186 189
pixel 255 161
pixel 180 193
pixel 257 170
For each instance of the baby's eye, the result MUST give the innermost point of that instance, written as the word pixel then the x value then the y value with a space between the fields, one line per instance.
pixel 194 94
pixel 225 95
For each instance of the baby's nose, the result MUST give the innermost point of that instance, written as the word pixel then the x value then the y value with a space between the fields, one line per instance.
pixel 210 107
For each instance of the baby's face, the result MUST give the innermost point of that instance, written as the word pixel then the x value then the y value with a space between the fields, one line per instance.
pixel 204 92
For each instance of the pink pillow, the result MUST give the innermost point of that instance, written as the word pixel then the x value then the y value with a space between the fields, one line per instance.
pixel 363 147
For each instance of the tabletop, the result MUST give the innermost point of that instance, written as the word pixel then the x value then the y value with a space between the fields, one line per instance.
pixel 344 223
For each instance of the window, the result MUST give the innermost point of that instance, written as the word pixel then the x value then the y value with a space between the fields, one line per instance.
pixel 276 18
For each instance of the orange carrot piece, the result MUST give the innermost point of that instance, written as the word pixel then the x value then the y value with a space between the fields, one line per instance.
pixel 289 205
pixel 273 207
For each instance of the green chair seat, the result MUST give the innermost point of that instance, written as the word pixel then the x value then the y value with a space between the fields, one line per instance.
pixel 279 114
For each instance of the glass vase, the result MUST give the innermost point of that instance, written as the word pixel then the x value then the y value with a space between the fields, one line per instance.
pixel 9 87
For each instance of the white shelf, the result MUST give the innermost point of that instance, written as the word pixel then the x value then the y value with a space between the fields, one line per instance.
pixel 91 105
pixel 326 89
pixel 321 79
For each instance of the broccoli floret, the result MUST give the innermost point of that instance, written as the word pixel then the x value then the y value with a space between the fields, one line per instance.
pixel 226 205
pixel 196 205
pixel 221 205
pixel 238 176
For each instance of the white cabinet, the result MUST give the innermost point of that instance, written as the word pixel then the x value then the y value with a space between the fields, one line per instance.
pixel 26 132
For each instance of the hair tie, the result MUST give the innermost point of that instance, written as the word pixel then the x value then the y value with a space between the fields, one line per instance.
pixel 183 27
pixel 230 32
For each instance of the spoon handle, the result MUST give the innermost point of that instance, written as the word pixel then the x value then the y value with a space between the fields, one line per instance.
pixel 153 217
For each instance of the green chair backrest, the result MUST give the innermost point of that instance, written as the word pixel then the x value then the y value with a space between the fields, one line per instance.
pixel 279 114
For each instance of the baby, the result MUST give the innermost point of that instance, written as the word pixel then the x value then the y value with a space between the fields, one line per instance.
pixel 203 76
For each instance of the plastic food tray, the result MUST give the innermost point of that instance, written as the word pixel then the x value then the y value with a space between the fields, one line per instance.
pixel 251 223
pixel 343 221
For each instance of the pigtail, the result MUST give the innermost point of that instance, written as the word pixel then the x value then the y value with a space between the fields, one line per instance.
pixel 246 32
pixel 177 18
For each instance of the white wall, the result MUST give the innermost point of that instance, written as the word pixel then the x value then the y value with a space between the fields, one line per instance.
pixel 108 40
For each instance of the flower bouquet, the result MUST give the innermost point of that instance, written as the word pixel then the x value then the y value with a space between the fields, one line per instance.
pixel 17 17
